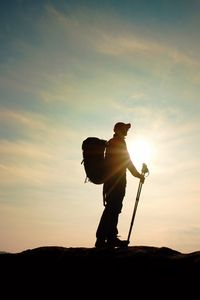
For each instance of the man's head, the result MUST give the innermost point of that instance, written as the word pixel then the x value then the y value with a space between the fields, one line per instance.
pixel 121 128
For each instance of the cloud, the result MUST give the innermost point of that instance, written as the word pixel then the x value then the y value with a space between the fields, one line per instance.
pixel 29 120
pixel 42 152
pixel 120 39
pixel 126 45
pixel 83 59
pixel 31 164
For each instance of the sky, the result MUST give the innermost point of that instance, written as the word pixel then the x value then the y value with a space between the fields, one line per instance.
pixel 72 69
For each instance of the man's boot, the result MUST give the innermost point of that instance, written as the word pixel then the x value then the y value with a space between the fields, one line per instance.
pixel 117 243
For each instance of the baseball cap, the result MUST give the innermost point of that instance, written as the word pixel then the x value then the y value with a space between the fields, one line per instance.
pixel 121 125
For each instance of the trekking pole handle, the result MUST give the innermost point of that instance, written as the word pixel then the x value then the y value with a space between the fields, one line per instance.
pixel 145 170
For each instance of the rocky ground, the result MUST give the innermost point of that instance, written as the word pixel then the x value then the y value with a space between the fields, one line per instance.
pixel 89 272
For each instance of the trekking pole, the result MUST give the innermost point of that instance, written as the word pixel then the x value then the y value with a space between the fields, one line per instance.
pixel 144 172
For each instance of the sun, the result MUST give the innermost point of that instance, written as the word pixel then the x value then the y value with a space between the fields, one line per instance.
pixel 141 151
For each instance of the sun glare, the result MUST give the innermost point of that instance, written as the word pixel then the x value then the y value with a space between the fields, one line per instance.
pixel 141 151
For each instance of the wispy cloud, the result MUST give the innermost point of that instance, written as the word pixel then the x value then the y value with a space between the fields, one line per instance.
pixel 27 119
pixel 70 65
pixel 118 40
pixel 127 45
pixel 36 164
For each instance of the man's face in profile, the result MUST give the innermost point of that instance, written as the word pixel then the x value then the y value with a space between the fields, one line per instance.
pixel 123 131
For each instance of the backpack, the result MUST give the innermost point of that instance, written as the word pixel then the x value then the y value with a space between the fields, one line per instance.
pixel 93 151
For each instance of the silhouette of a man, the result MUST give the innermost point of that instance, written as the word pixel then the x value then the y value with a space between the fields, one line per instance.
pixel 117 162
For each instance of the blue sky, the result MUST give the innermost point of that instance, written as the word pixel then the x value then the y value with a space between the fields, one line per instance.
pixel 72 69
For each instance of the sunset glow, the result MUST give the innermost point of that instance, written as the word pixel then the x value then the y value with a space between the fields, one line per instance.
pixel 141 151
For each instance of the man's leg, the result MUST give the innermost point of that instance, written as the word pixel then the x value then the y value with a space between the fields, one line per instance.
pixel 107 227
